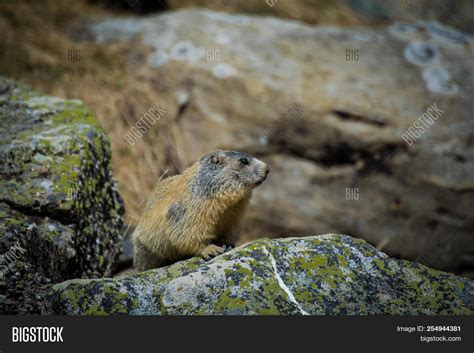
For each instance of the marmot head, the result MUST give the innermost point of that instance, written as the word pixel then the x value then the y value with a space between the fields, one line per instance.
pixel 228 172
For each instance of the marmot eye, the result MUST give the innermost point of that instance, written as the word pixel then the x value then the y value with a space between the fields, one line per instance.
pixel 244 161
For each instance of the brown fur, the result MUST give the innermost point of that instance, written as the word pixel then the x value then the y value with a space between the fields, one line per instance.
pixel 179 222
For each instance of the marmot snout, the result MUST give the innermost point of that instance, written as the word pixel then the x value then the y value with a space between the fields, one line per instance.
pixel 199 212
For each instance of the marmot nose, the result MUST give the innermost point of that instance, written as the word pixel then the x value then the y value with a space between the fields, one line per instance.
pixel 267 170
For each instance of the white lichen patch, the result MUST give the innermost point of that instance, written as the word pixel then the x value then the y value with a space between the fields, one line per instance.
pixel 447 34
pixel 145 293
pixel 325 289
pixel 183 97
pixel 366 261
pixel 185 50
pixel 359 36
pixel 224 38
pixel 187 290
pixel 438 80
pixel 392 265
pixel 329 236
pixel 38 102
pixel 223 71
pixel 430 30
pixel 158 58
pixel 58 138
pixel 420 53
pixel 118 29
pixel 52 227
pixel 410 275
pixel 404 30
pixel 41 158
pixel 298 247
pixel 240 20
pixel 46 184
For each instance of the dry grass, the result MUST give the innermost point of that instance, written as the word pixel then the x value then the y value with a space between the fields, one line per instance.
pixel 37 37
pixel 35 50
pixel 310 11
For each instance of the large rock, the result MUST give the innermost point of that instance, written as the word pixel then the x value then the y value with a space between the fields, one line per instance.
pixel 60 213
pixel 459 13
pixel 326 107
pixel 318 275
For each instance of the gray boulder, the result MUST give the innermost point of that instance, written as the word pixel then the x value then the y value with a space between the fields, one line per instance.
pixel 60 212
pixel 318 275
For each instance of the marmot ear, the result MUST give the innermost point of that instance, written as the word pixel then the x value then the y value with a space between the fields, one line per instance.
pixel 217 158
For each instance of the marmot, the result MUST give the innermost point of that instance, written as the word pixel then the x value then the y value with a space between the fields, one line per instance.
pixel 199 212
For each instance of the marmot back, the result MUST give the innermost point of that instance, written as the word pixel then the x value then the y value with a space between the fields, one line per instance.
pixel 199 212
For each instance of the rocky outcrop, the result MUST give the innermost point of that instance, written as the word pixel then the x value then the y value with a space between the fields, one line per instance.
pixel 318 275
pixel 326 107
pixel 60 213
pixel 60 220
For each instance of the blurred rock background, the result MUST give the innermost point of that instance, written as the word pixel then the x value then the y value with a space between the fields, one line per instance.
pixel 321 90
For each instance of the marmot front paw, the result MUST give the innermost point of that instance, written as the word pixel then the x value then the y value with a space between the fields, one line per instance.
pixel 211 251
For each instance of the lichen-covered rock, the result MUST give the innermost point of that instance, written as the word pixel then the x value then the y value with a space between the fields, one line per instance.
pixel 60 213
pixel 318 275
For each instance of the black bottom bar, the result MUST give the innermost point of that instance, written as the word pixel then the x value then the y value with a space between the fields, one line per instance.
pixel 294 334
